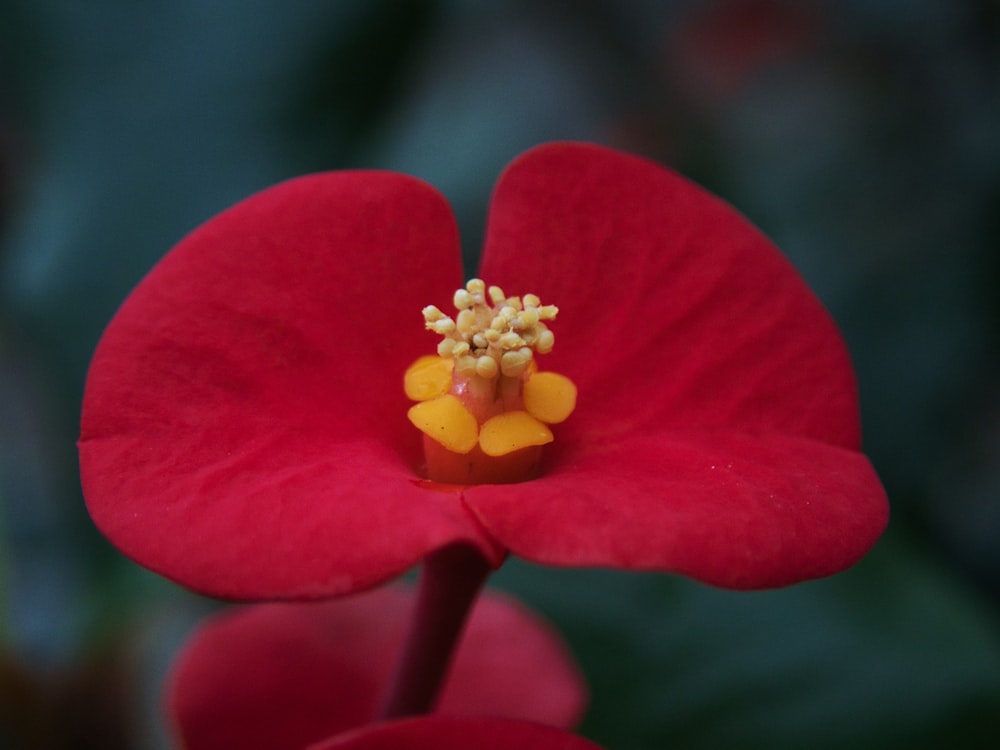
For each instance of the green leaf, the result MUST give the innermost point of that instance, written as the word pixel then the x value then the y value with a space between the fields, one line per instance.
pixel 888 654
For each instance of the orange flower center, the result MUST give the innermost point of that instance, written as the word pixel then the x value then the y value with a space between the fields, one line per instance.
pixel 483 406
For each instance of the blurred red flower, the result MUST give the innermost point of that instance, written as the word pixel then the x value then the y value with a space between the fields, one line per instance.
pixel 284 675
pixel 720 48
pixel 244 427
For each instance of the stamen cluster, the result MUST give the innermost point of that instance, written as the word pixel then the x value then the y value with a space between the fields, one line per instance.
pixel 483 406
pixel 492 333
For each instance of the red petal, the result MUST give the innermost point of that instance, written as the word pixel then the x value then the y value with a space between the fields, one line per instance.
pixel 244 425
pixel 694 344
pixel 675 312
pixel 444 733
pixel 283 675
pixel 729 509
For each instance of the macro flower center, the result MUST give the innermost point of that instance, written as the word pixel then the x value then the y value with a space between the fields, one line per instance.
pixel 483 406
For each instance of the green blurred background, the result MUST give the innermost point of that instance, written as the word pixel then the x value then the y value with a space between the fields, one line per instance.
pixel 861 134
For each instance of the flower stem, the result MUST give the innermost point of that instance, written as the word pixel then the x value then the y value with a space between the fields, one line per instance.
pixel 450 581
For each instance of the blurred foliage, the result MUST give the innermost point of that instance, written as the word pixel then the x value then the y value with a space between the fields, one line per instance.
pixel 860 134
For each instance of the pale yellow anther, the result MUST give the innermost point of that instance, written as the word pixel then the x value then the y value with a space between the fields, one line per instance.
pixel 447 421
pixel 432 314
pixel 462 300
pixel 486 367
pixel 545 341
pixel 531 300
pixel 445 325
pixel 549 397
pixel 491 335
pixel 510 341
pixel 514 363
pixel 511 431
pixel 548 312
pixel 476 287
pixel 445 347
pixel 508 312
pixel 428 377
pixel 527 318
pixel 497 295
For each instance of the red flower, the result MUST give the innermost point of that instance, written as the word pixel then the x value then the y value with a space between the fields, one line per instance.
pixel 244 427
pixel 285 675
pixel 447 733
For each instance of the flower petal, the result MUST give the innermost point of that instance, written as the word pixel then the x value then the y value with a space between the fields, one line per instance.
pixel 729 509
pixel 244 425
pixel 448 733
pixel 284 675
pixel 675 312
pixel 717 422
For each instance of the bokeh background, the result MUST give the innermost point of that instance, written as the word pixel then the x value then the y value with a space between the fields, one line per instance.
pixel 863 135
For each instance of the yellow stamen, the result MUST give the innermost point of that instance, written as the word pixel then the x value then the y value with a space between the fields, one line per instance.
pixel 428 377
pixel 549 397
pixel 446 421
pixel 508 330
pixel 511 431
pixel 484 407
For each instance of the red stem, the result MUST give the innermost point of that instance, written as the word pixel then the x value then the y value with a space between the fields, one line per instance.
pixel 449 584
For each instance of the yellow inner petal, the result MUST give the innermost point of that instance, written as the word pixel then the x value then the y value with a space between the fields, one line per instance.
pixel 447 421
pixel 549 397
pixel 511 431
pixel 428 377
